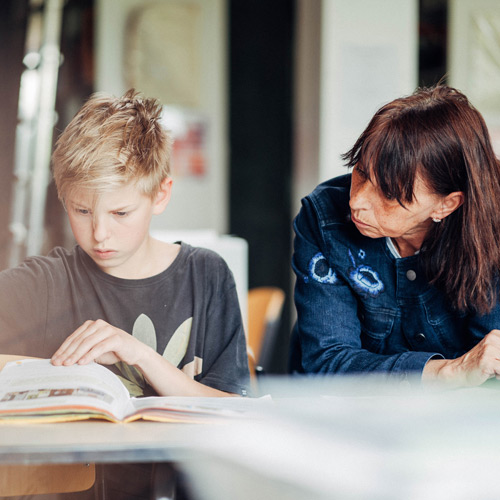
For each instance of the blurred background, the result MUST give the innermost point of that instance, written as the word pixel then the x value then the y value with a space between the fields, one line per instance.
pixel 261 96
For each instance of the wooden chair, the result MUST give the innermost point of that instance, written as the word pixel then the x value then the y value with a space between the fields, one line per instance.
pixel 18 480
pixel 265 305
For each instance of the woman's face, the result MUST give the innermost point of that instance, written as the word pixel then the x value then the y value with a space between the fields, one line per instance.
pixel 376 216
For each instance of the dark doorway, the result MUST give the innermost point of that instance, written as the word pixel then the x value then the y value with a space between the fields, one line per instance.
pixel 433 34
pixel 260 137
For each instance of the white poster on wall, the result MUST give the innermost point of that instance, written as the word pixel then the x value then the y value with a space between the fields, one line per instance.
pixel 175 51
pixel 369 56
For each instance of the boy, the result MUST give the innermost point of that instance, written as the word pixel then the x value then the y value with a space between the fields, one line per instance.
pixel 166 316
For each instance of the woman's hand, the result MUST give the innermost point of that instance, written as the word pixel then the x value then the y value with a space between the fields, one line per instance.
pixel 99 341
pixel 481 363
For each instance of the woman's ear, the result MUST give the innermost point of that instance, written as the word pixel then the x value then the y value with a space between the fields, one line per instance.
pixel 163 196
pixel 448 205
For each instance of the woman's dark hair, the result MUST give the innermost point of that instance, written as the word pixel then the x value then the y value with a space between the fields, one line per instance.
pixel 439 134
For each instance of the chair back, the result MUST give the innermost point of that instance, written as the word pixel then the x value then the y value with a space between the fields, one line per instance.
pixel 20 480
pixel 265 306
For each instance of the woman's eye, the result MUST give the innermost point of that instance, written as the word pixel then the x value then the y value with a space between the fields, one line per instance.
pixel 83 211
pixel 121 214
pixel 361 173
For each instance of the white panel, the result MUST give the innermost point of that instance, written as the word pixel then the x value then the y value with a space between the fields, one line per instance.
pixel 369 57
pixel 474 57
pixel 198 201
pixel 306 99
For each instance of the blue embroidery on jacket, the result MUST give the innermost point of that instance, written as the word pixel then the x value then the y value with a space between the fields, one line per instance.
pixel 364 279
pixel 320 271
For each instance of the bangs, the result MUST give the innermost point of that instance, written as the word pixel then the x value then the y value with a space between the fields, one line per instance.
pixel 393 163
pixel 388 156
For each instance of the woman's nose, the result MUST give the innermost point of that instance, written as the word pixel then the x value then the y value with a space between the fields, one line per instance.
pixel 360 198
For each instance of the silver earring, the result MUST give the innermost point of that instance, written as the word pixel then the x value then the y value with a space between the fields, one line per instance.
pixel 436 220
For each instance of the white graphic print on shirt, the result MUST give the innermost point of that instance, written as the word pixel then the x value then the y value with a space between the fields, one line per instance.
pixel 174 352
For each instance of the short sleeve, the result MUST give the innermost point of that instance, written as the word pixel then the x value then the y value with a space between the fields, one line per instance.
pixel 225 354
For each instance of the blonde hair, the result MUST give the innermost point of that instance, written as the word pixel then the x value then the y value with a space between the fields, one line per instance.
pixel 113 141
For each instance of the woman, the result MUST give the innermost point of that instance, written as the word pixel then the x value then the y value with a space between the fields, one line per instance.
pixel 397 264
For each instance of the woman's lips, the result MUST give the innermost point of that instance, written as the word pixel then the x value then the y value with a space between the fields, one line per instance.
pixel 358 222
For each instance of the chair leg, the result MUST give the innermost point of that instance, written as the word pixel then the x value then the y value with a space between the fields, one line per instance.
pixel 164 482
pixel 99 487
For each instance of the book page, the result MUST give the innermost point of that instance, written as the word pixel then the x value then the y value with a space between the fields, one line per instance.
pixel 196 409
pixel 36 387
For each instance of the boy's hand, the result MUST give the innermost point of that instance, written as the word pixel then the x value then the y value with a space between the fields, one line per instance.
pixel 98 341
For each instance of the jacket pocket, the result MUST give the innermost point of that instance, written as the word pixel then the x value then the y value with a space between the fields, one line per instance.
pixel 376 326
pixel 448 324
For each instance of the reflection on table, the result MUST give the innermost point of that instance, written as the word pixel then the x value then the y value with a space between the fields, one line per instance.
pixel 357 439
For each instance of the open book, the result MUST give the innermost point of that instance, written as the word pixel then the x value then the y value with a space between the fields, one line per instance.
pixel 34 390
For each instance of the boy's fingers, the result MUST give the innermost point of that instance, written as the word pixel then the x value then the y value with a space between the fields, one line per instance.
pixel 86 343
pixel 75 342
pixel 97 340
pixel 91 341
pixel 99 349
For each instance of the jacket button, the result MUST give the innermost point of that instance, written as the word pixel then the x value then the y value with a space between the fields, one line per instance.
pixel 420 338
pixel 411 275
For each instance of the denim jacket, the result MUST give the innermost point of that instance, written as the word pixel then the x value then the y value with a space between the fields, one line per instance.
pixel 360 308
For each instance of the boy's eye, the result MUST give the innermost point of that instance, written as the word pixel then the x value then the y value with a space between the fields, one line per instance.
pixel 121 214
pixel 82 211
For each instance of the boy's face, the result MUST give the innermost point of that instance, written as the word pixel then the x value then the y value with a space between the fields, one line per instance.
pixel 113 229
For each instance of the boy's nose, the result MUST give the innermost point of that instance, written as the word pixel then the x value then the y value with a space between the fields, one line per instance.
pixel 101 231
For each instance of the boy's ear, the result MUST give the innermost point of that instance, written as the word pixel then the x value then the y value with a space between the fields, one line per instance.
pixel 163 196
pixel 449 204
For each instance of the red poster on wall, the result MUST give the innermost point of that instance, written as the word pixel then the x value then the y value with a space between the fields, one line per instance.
pixel 189 132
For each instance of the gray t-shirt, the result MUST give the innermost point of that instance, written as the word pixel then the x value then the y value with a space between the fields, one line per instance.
pixel 189 313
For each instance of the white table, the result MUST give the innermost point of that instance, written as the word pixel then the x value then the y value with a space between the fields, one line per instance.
pixel 100 442
pixel 315 443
